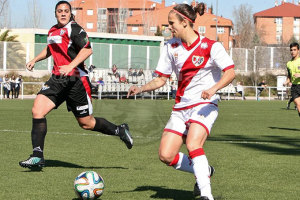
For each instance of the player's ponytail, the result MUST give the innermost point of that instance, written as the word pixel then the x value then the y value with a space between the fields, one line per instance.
pixel 66 2
pixel 188 12
pixel 199 8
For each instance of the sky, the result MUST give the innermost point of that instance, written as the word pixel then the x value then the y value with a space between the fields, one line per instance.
pixel 19 9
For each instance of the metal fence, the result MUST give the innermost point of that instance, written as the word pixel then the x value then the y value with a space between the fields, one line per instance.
pixel 260 59
pixel 14 56
pixel 119 91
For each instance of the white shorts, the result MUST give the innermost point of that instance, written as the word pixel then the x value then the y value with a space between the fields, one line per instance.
pixel 203 114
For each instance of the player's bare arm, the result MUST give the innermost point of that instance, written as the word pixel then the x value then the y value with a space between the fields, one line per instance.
pixel 83 54
pixel 227 78
pixel 152 85
pixel 45 53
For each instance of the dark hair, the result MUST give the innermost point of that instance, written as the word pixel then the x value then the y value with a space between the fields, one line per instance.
pixel 294 44
pixel 189 11
pixel 65 2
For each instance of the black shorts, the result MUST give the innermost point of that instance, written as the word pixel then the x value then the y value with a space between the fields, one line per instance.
pixel 76 91
pixel 295 91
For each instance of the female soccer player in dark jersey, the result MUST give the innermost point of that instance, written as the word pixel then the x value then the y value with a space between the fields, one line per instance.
pixel 69 46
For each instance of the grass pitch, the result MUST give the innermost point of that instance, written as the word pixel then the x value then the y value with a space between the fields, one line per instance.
pixel 254 147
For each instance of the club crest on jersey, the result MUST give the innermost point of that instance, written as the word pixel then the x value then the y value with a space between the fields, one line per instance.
pixel 197 60
pixel 62 31
pixel 204 45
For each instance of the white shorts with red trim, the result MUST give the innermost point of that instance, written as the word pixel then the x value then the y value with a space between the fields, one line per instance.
pixel 203 114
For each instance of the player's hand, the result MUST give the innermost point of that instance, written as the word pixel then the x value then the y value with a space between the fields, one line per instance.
pixel 133 90
pixel 30 65
pixel 207 94
pixel 65 69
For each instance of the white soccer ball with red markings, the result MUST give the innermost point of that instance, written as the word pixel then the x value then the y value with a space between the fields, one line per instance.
pixel 89 185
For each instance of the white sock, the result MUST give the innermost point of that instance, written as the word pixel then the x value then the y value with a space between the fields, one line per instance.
pixel 201 172
pixel 184 163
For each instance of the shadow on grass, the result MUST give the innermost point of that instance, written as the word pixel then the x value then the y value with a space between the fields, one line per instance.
pixel 162 192
pixel 58 163
pixel 286 129
pixel 288 145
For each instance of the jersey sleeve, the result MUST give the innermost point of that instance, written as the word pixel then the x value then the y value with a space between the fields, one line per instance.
pixel 164 66
pixel 80 37
pixel 220 57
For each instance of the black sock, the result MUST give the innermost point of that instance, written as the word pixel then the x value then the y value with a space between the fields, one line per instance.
pixel 299 114
pixel 105 127
pixel 38 134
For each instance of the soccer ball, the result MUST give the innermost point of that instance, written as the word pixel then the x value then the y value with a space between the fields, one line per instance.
pixel 89 185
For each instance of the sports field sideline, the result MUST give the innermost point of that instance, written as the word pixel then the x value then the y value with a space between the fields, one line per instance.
pixel 254 147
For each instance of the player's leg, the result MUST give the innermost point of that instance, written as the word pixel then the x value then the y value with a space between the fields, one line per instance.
pixel 79 100
pixel 41 107
pixel 297 103
pixel 99 124
pixel 201 121
pixel 196 138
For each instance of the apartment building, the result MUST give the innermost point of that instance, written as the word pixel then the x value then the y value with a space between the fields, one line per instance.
pixel 280 24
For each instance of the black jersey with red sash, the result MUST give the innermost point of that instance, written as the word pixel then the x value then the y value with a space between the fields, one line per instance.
pixel 64 44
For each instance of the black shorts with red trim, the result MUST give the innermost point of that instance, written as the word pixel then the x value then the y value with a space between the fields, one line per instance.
pixel 76 91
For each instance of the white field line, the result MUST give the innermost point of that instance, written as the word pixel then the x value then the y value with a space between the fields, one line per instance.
pixel 136 136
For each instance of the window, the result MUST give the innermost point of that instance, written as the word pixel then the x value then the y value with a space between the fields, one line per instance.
pixel 278 20
pixel 90 12
pixel 278 39
pixel 153 29
pixel 296 29
pixel 89 25
pixel 296 21
pixel 278 29
pixel 201 29
pixel 74 12
pixel 135 29
pixel 130 13
pixel 220 30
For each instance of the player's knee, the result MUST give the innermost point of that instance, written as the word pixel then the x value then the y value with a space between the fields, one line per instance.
pixel 37 113
pixel 85 125
pixel 165 157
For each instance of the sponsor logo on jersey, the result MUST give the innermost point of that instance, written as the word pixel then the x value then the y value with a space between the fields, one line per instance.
pixel 81 31
pixel 204 45
pixel 57 39
pixel 176 56
pixel 197 60
pixel 82 107
pixel 62 31
pixel 83 112
pixel 45 87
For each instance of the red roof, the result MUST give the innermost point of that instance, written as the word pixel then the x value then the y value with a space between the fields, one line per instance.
pixel 160 16
pixel 283 10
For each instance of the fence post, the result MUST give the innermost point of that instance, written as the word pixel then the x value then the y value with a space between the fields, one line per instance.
pixel 148 58
pixel 110 55
pixel 246 61
pixel 4 55
pixel 129 56
pixel 1 90
pixel 272 57
pixel 269 93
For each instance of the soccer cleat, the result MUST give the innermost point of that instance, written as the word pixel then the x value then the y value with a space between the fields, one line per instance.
pixel 197 192
pixel 125 135
pixel 33 162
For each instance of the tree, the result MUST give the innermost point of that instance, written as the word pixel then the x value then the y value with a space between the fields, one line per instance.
pixel 4 13
pixel 15 52
pixel 34 20
pixel 244 26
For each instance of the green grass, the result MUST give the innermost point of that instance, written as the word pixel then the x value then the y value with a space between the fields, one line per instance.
pixel 254 146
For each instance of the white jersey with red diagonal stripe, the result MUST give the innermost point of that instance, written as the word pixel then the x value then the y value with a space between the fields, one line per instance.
pixel 198 67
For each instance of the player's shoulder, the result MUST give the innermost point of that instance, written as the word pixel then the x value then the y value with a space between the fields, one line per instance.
pixel 76 28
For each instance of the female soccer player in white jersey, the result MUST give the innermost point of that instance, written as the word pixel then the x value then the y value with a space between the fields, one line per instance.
pixel 69 46
pixel 198 63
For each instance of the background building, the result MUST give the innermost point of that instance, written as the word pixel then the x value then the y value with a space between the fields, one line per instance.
pixel 144 17
pixel 280 24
